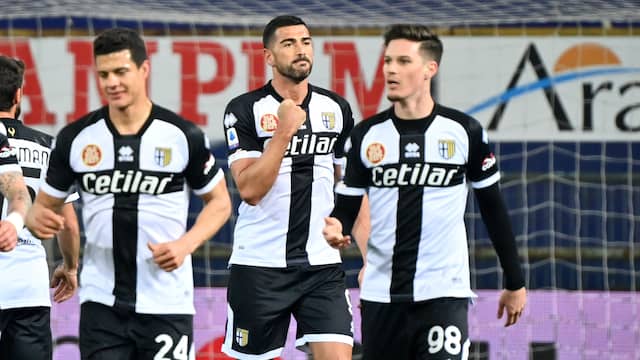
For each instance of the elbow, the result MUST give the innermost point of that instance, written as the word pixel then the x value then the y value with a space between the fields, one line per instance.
pixel 251 197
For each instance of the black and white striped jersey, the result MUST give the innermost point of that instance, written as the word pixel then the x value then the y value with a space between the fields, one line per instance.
pixel 285 227
pixel 26 280
pixel 135 190
pixel 416 173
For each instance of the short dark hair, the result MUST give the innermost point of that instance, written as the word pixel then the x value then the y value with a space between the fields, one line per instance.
pixel 11 77
pixel 276 23
pixel 118 39
pixel 430 44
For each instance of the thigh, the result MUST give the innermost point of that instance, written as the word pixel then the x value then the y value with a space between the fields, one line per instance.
pixel 259 310
pixel 103 333
pixel 323 313
pixel 384 331
pixel 163 336
pixel 27 334
pixel 440 329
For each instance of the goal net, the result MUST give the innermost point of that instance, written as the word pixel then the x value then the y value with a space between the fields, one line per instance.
pixel 555 83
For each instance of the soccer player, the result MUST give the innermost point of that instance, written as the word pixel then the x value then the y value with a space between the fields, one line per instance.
pixel 135 164
pixel 284 141
pixel 414 160
pixel 24 299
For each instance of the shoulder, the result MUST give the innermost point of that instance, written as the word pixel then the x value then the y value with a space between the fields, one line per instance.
pixel 465 120
pixel 188 128
pixel 17 130
pixel 71 130
pixel 247 99
pixel 330 94
pixel 363 126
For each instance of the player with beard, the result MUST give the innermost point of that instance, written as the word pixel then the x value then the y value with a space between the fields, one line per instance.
pixel 285 143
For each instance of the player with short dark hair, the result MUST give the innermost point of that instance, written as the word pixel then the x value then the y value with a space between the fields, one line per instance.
pixel 415 161
pixel 25 330
pixel 135 164
pixel 285 141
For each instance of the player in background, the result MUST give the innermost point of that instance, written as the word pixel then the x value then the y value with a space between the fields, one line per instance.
pixel 135 164
pixel 285 141
pixel 24 299
pixel 415 161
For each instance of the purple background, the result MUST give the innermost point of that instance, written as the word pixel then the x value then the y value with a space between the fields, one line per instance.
pixel 583 325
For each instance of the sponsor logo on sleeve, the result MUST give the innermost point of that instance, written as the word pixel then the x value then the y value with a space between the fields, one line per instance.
pixel 232 139
pixel 488 162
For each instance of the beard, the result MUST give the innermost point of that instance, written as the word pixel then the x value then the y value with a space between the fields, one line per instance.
pixel 296 75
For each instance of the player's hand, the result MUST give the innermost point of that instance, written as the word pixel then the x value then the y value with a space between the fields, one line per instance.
pixel 43 222
pixel 65 282
pixel 513 302
pixel 168 256
pixel 332 232
pixel 8 236
pixel 290 118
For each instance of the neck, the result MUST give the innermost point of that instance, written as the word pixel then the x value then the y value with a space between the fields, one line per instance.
pixel 7 114
pixel 412 109
pixel 129 120
pixel 289 89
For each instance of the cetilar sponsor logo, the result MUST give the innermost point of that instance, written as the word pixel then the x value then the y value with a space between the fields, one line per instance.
pixel 578 64
pixel 310 144
pixel 125 182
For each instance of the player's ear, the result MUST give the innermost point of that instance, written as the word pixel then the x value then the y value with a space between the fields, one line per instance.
pixel 430 69
pixel 145 67
pixel 268 56
pixel 17 97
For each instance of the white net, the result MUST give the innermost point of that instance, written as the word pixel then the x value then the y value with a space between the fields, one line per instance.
pixel 555 82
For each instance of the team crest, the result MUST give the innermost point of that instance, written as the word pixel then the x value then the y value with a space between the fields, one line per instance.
pixel 269 122
pixel 91 155
pixel 11 131
pixel 328 120
pixel 375 152
pixel 162 156
pixel 446 148
pixel 242 337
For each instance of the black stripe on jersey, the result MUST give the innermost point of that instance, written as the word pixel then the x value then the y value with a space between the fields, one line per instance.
pixel 125 229
pixel 31 172
pixel 300 205
pixel 409 220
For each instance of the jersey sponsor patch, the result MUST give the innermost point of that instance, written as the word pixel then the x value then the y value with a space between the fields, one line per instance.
pixel 418 174
pixel 375 152
pixel 91 155
pixel 269 122
pixel 232 139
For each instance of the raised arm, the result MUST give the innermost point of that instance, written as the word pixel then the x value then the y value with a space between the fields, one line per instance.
pixel 254 177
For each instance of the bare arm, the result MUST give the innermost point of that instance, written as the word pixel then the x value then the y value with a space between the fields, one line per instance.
pixel 255 177
pixel 13 189
pixel 65 276
pixel 215 213
pixel 44 219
